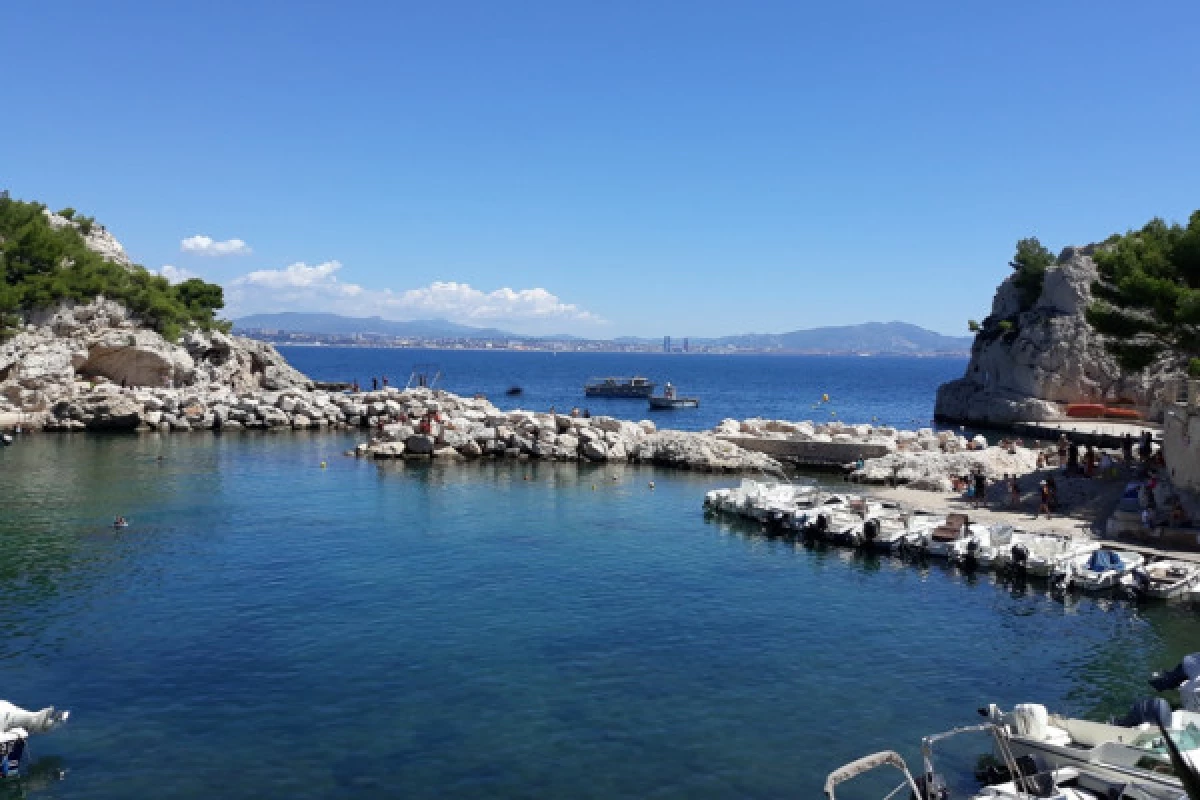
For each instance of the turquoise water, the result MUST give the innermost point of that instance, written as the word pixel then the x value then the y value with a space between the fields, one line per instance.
pixel 268 628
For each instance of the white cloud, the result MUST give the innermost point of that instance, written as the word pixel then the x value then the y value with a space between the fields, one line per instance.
pixel 175 274
pixel 207 246
pixel 461 301
pixel 297 276
pixel 301 287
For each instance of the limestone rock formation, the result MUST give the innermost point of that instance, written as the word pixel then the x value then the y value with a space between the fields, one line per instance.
pixel 97 239
pixel 1044 357
pixel 62 351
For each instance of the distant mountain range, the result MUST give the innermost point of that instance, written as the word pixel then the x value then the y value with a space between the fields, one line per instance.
pixel 870 337
pixel 303 322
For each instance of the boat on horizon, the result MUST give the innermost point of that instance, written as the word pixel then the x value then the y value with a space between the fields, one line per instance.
pixel 670 399
pixel 635 386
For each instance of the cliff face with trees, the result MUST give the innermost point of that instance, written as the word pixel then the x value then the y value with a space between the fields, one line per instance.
pixel 47 259
pixel 76 313
pixel 1050 339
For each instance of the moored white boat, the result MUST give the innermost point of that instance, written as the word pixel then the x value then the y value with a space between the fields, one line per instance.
pixel 1020 776
pixel 1098 571
pixel 16 725
pixel 1130 750
pixel 1169 579
pixel 939 541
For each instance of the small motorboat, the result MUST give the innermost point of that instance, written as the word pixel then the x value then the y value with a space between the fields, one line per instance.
pixel 514 391
pixel 1125 751
pixel 1098 571
pixel 1018 777
pixel 670 399
pixel 941 540
pixel 6 439
pixel 1170 579
pixel 16 725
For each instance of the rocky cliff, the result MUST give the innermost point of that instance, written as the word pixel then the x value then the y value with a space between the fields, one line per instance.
pixel 62 352
pixel 1026 365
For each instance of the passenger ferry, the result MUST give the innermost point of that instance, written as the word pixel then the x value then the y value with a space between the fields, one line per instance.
pixel 619 387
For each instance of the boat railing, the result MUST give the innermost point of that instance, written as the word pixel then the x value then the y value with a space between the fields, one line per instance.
pixel 885 758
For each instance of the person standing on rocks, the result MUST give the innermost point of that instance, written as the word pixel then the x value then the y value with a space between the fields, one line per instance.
pixel 374 384
pixel 1014 491
pixel 980 488
pixel 1063 444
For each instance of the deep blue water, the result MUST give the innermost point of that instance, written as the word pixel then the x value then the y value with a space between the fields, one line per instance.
pixel 893 391
pixel 269 628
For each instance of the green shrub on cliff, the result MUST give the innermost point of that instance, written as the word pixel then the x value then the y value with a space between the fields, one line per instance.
pixel 1030 262
pixel 41 265
pixel 1148 296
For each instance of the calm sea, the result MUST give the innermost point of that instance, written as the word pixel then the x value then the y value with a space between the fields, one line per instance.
pixel 888 390
pixel 270 628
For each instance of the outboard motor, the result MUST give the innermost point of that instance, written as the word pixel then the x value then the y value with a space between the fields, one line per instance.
pixel 1020 559
pixel 1187 669
pixel 1136 590
pixel 870 532
pixel 1153 710
pixel 822 525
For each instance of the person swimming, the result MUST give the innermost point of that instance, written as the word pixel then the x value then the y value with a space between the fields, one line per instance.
pixel 120 522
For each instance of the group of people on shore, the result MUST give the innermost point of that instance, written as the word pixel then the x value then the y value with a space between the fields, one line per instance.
pixel 1072 461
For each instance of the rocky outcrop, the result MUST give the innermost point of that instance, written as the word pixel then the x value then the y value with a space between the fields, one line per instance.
pixel 933 470
pixel 1027 364
pixel 97 238
pixel 419 424
pixel 61 353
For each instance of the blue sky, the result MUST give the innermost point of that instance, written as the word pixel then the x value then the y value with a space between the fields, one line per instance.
pixel 691 168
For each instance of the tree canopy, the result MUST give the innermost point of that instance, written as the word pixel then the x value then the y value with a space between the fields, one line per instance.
pixel 41 265
pixel 1147 300
pixel 1031 261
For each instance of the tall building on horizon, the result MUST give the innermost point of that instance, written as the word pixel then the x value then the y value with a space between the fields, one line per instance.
pixel 666 344
pixel 685 344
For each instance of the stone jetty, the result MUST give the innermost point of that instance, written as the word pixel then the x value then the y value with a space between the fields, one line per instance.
pixel 419 423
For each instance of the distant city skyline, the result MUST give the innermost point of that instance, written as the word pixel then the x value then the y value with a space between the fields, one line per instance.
pixel 697 168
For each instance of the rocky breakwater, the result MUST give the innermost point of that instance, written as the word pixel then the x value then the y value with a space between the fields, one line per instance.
pixel 935 470
pixel 96 365
pixel 1029 360
pixel 424 424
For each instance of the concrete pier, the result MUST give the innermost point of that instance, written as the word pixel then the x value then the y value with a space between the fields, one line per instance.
pixel 820 455
pixel 1096 432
